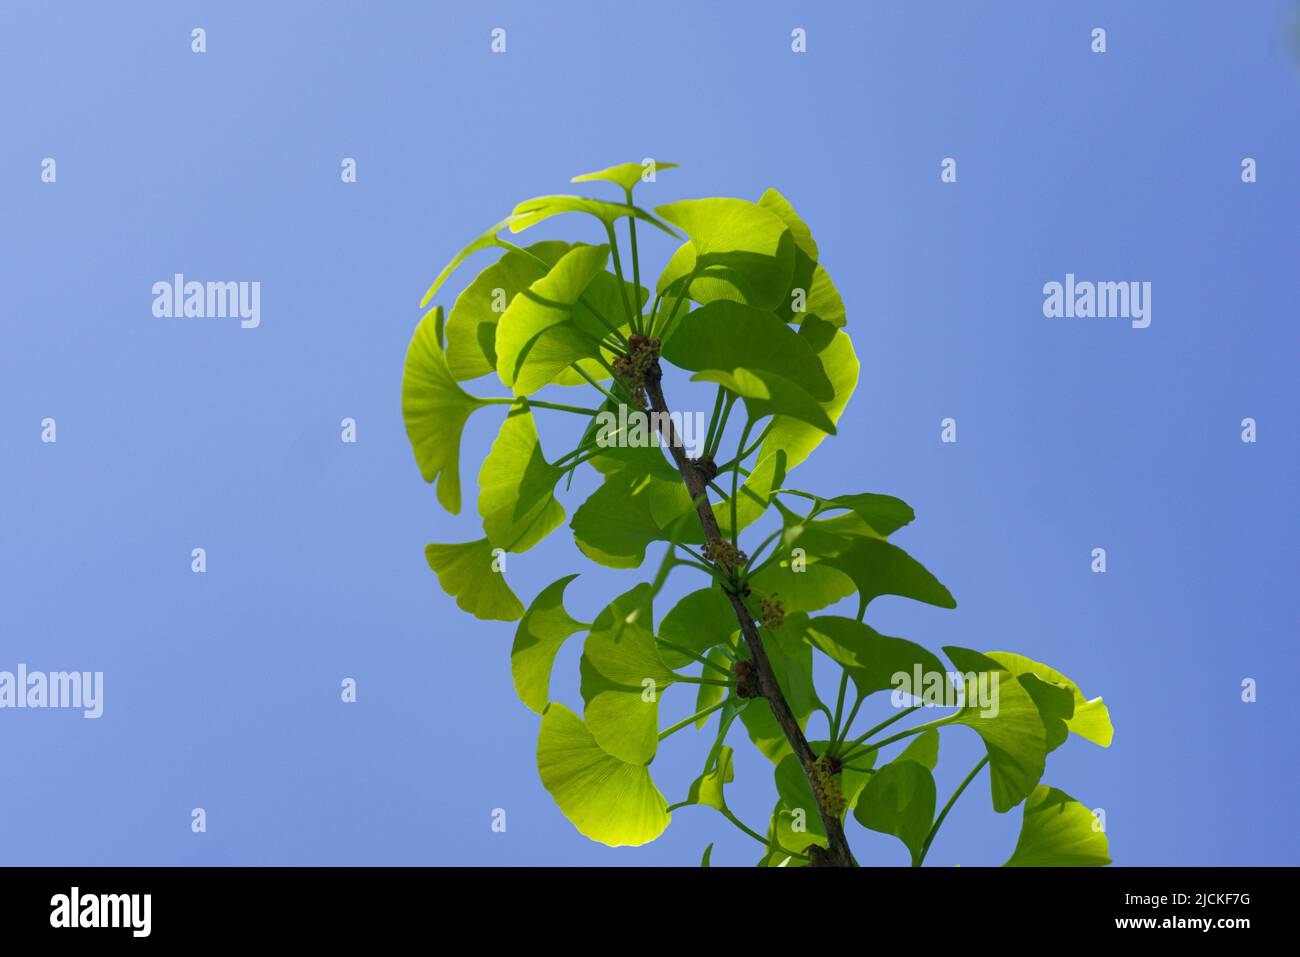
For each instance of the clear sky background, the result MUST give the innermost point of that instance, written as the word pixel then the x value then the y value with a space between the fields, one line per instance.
pixel 222 689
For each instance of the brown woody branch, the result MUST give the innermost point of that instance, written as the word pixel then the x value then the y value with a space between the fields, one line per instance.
pixel 838 853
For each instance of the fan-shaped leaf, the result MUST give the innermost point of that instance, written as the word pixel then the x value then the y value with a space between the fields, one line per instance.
pixel 606 799
pixel 840 365
pixel 483 241
pixel 537 336
pixel 465 571
pixel 701 620
pixel 880 568
pixel 769 393
pixel 727 336
pixel 1090 718
pixel 619 520
pixel 871 659
pixel 741 251
pixel 435 408
pixel 818 294
pixel 1058 831
pixel 533 211
pixel 623 677
pixel 472 323
pixel 1011 727
pixel 541 632
pixel 517 487
pixel 625 175
pixel 802 584
pixel 899 800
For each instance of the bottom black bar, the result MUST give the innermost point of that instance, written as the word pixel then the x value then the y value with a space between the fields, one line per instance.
pixel 366 905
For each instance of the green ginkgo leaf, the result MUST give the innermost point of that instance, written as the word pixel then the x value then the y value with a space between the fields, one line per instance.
pixel 533 211
pixel 616 523
pixel 840 365
pixel 538 336
pixel 516 498
pixel 707 789
pixel 885 514
pixel 485 240
pixel 1055 708
pixel 608 800
pixel 899 800
pixel 625 175
pixel 1090 719
pixel 823 537
pixel 770 393
pixel 802 584
pixel 1010 726
pixel 810 285
pixel 880 568
pixel 739 251
pixel 1058 831
pixel 874 661
pixel 543 629
pixel 790 833
pixel 727 336
pixel 767 472
pixel 466 571
pixel 698 622
pixel 472 323
pixel 923 749
pixel 434 409
pixel 623 677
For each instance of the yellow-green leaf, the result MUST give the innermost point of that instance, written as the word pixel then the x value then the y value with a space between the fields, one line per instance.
pixel 543 629
pixel 434 409
pixel 517 487
pixel 608 800
pixel 1058 831
pixel 466 572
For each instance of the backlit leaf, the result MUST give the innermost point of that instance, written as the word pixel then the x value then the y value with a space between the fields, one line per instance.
pixel 619 658
pixel 1010 725
pixel 517 487
pixel 1090 720
pixel 741 250
pixel 472 322
pixel 539 336
pixel 543 629
pixel 434 409
pixel 899 800
pixel 727 336
pixel 606 799
pixel 871 659
pixel 533 211
pixel 625 175
pixel 485 240
pixel 1058 831
pixel 465 572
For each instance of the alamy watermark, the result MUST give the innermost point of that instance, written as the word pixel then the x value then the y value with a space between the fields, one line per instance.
pixel 1100 300
pixel 54 689
pixel 939 689
pixel 128 911
pixel 208 300
pixel 633 428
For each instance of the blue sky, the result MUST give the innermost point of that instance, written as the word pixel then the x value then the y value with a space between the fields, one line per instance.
pixel 221 689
